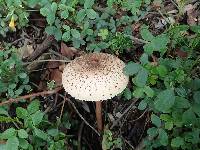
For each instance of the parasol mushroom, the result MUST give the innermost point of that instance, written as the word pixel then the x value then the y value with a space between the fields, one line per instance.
pixel 95 77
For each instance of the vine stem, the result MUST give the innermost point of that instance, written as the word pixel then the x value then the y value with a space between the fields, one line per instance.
pixel 15 100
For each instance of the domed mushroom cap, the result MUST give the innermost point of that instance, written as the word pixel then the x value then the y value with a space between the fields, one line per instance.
pixel 94 77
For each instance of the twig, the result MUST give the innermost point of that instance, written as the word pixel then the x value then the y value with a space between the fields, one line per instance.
pixel 130 107
pixel 136 39
pixel 15 100
pixel 46 60
pixel 73 105
pixel 80 135
pixel 61 112
pixel 140 116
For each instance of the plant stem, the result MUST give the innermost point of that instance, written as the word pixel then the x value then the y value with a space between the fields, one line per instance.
pixel 99 115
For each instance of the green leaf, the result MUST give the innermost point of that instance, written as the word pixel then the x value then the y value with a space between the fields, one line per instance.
pixel 33 106
pixel 91 13
pixel 88 4
pixel 138 92
pixel 22 75
pixel 127 94
pixel 144 59
pixel 22 133
pixel 181 102
pixel 152 132
pixel 81 15
pixel 75 33
pixel 23 143
pixel 66 36
pixel 21 113
pixel 195 28
pixel 177 142
pixel 12 143
pixel 155 120
pixel 196 109
pixel 41 134
pixel 196 97
pixel 189 117
pixel 142 105
pixel 64 14
pixel 132 68
pixel 162 70
pixel 37 117
pixel 146 34
pixel 141 78
pixel 148 91
pixel 11 132
pixel 53 132
pixel 165 100
pixel 163 137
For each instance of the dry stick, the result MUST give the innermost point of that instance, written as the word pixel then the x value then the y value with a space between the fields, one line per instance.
pixel 99 115
pixel 15 100
pixel 130 107
pixel 61 112
pixel 73 105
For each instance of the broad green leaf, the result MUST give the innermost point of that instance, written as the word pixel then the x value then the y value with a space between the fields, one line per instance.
pixel 37 117
pixel 11 132
pixel 177 142
pixel 88 4
pixel 146 34
pixel 162 70
pixel 196 97
pixel 75 33
pixel 41 134
pixel 148 91
pixel 91 13
pixel 22 75
pixel 181 102
pixel 144 59
pixel 138 92
pixel 22 133
pixel 21 113
pixel 53 132
pixel 141 78
pixel 132 68
pixel 196 109
pixel 66 36
pixel 3 111
pixel 155 120
pixel 127 94
pixel 23 143
pixel 152 132
pixel 163 137
pixel 169 125
pixel 64 14
pixel 195 28
pixel 33 106
pixel 142 105
pixel 81 15
pixel 12 143
pixel 189 117
pixel 165 100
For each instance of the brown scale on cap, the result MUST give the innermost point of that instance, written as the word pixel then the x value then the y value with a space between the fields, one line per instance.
pixel 94 77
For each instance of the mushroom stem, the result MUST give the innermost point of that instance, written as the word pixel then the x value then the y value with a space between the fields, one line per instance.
pixel 99 115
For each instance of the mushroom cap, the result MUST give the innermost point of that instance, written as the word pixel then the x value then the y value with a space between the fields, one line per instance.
pixel 94 77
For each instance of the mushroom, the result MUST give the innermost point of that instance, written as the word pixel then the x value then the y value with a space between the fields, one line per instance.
pixel 95 77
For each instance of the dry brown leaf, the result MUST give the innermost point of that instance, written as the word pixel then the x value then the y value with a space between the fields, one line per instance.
pixel 69 52
pixel 191 14
pixel 56 75
pixel 53 64
pixel 25 51
pixel 181 53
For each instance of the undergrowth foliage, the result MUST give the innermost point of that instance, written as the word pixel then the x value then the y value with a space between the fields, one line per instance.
pixel 168 87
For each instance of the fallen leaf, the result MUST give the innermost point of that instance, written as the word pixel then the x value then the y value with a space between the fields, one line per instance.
pixel 191 14
pixel 53 64
pixel 25 51
pixel 56 75
pixel 69 52
pixel 181 54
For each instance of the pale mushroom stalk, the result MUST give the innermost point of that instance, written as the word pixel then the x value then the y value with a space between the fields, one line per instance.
pixel 99 116
pixel 95 77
